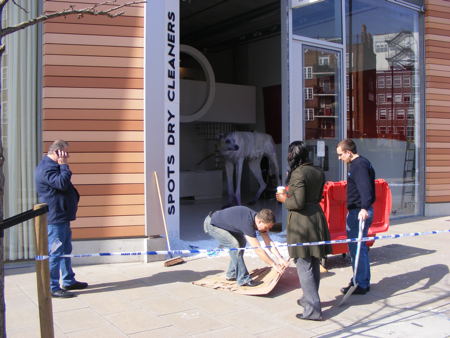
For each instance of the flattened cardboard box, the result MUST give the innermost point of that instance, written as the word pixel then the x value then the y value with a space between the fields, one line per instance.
pixel 267 275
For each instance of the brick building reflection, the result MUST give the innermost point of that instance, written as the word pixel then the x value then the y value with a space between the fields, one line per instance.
pixel 381 86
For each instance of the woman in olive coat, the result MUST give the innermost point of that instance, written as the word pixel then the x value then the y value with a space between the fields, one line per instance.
pixel 306 223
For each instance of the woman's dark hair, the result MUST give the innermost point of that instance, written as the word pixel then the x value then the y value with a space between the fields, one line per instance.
pixel 297 155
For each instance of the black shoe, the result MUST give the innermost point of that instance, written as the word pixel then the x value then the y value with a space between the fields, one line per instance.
pixel 251 283
pixel 62 294
pixel 358 291
pixel 232 279
pixel 76 286
pixel 300 316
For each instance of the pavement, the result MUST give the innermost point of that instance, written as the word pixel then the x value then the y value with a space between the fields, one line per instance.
pixel 409 297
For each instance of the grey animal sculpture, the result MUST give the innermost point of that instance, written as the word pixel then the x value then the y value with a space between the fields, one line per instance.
pixel 238 146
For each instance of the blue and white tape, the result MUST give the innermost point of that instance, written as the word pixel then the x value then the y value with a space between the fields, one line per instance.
pixel 216 250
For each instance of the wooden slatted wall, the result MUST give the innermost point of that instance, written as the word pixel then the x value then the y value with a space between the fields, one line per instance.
pixel 437 60
pixel 93 98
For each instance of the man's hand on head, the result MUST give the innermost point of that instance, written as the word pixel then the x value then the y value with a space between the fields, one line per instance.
pixel 62 156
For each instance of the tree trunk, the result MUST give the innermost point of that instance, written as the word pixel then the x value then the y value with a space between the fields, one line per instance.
pixel 2 187
pixel 2 290
pixel 2 190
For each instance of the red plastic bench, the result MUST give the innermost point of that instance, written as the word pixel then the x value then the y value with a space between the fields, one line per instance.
pixel 334 205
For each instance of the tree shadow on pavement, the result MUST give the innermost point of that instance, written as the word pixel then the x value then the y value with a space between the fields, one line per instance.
pixel 398 285
pixel 160 278
pixel 381 255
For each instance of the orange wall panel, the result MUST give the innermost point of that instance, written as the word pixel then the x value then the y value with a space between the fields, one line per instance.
pixel 98 50
pixel 110 189
pixel 93 97
pixel 134 73
pixel 437 90
pixel 91 103
pixel 125 21
pixel 91 82
pixel 95 114
pixel 80 179
pixel 133 94
pixel 111 200
pixel 107 168
pixel 108 232
pixel 77 28
pixel 92 61
pixel 109 221
pixel 94 136
pixel 55 6
pixel 103 157
pixel 110 210
pixel 93 125
pixel 101 40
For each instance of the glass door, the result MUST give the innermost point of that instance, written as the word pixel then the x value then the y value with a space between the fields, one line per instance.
pixel 316 96
pixel 322 107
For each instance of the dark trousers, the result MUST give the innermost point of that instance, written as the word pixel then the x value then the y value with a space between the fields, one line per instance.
pixel 363 271
pixel 308 270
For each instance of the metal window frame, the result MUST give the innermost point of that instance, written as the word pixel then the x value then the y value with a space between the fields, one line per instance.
pixel 408 5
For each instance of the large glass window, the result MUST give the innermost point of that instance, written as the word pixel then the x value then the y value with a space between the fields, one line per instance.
pixel 318 19
pixel 384 66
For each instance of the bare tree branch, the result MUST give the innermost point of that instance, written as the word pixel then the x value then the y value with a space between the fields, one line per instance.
pixel 93 10
pixel 3 3
pixel 15 3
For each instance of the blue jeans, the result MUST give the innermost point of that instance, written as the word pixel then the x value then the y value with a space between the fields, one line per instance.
pixel 363 273
pixel 226 239
pixel 60 243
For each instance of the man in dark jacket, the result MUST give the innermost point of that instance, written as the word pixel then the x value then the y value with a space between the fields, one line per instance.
pixel 360 197
pixel 53 185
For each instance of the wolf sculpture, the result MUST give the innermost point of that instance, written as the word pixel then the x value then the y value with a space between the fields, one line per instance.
pixel 238 146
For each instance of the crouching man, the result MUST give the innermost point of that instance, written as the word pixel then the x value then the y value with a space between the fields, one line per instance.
pixel 232 228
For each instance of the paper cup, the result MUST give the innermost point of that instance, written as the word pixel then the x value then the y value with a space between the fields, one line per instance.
pixel 281 189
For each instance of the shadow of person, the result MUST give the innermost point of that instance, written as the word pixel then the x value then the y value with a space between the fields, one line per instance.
pixel 398 285
pixel 161 278
pixel 381 255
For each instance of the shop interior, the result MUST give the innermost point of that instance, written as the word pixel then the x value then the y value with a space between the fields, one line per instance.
pixel 230 81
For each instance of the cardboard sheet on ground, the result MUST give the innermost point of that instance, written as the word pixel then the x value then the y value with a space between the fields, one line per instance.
pixel 267 275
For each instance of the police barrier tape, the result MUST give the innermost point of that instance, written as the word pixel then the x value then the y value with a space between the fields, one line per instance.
pixel 216 250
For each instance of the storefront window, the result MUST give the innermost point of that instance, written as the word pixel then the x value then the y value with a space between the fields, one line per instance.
pixel 319 19
pixel 383 68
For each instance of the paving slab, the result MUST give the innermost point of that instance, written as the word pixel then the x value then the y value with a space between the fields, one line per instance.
pixel 135 320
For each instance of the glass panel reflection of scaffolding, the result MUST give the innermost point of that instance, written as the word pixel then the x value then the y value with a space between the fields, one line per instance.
pixel 383 97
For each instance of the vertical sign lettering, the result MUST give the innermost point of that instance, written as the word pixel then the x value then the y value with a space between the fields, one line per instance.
pixel 172 120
